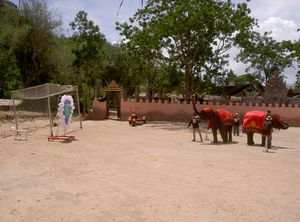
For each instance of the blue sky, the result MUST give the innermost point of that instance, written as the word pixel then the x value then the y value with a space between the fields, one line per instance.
pixel 280 17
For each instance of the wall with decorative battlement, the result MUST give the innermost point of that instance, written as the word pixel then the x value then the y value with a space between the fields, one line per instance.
pixel 158 111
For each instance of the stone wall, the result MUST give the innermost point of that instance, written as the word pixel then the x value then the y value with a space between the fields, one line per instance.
pixel 158 111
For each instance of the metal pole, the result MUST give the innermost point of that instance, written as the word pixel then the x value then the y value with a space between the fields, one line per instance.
pixel 50 114
pixel 15 113
pixel 78 107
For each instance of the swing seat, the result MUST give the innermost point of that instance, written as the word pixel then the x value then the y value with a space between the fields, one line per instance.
pixel 21 135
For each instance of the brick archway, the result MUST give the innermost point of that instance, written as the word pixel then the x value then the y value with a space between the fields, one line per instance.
pixel 113 93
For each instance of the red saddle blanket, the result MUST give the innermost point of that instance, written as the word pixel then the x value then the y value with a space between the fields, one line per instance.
pixel 225 117
pixel 254 121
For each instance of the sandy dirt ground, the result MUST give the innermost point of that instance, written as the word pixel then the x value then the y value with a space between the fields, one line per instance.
pixel 150 173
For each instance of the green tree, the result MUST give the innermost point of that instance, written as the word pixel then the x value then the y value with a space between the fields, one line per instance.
pixel 193 36
pixel 295 54
pixel 35 42
pixel 88 53
pixel 62 58
pixel 114 65
pixel 9 71
pixel 174 79
pixel 265 55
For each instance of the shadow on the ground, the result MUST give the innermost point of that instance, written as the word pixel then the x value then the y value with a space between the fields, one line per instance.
pixel 172 125
pixel 63 141
pixel 221 143
pixel 166 125
pixel 281 147
pixel 273 147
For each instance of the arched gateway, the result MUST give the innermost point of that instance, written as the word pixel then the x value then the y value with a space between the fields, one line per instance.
pixel 113 94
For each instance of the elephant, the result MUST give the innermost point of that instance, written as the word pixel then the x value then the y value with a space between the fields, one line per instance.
pixel 220 119
pixel 253 123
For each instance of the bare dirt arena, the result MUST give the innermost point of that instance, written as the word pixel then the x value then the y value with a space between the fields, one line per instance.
pixel 150 173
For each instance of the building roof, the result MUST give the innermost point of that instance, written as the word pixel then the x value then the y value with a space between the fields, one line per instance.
pixel 113 87
pixel 229 90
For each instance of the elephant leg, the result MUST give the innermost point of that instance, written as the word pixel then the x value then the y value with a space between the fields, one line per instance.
pixel 230 134
pixel 250 139
pixel 224 134
pixel 214 132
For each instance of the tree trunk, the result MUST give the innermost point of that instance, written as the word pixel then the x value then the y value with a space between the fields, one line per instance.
pixel 187 84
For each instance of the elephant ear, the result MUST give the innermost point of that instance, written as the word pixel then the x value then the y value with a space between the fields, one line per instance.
pixel 277 117
pixel 208 111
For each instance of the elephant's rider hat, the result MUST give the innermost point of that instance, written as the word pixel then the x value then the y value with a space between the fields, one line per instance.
pixel 269 118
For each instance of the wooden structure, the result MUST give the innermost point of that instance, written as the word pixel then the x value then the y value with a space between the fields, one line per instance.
pixel 113 94
pixel 275 91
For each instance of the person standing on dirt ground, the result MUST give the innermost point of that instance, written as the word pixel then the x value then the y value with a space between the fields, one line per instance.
pixel 195 122
pixel 267 132
pixel 269 114
pixel 236 126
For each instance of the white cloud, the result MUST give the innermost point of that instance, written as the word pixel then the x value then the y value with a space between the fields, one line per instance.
pixel 280 17
pixel 281 29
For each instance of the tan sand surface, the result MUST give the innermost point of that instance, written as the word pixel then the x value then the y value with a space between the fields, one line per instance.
pixel 150 173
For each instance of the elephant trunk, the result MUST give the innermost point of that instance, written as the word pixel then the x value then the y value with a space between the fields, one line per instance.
pixel 285 125
pixel 194 106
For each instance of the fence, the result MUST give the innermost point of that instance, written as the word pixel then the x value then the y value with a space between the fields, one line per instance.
pixel 176 111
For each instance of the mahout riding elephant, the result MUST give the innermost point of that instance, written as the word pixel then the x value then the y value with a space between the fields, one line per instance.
pixel 220 119
pixel 254 121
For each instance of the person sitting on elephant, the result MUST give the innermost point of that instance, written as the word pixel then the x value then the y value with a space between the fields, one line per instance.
pixel 195 122
pixel 267 132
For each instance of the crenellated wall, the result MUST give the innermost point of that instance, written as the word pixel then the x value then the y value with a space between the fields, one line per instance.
pixel 162 111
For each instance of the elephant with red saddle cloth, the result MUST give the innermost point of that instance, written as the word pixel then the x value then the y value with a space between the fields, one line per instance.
pixel 254 122
pixel 219 119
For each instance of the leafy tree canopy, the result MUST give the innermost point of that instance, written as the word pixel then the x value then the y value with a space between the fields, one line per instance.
pixel 88 53
pixel 265 55
pixel 192 35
